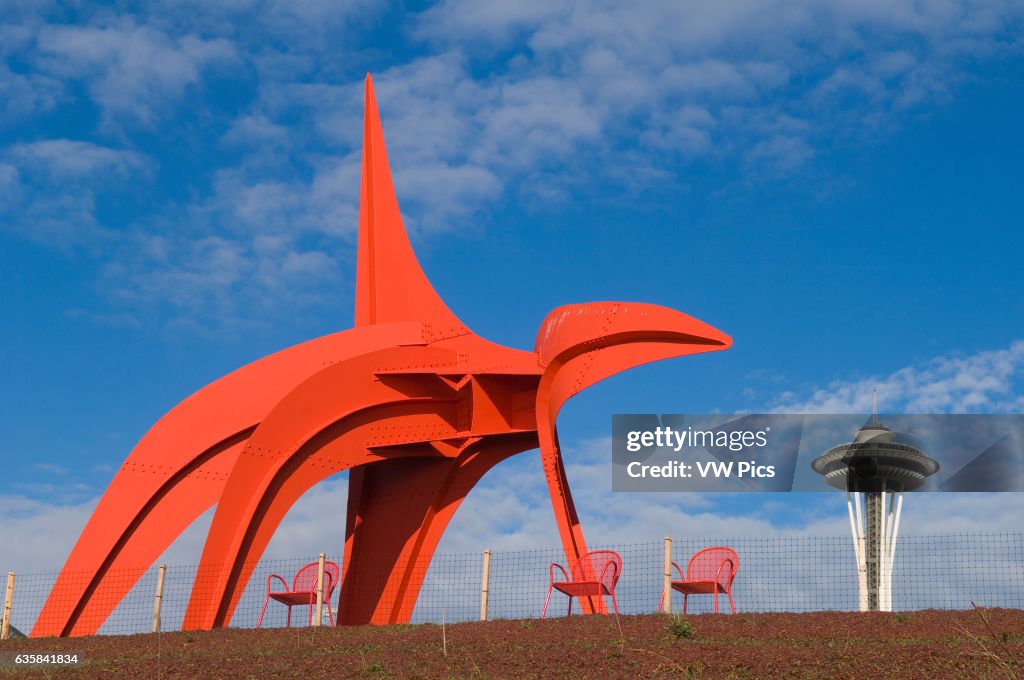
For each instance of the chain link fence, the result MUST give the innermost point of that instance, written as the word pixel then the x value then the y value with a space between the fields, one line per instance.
pixel 777 574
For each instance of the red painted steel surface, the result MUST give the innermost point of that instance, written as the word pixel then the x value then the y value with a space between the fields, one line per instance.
pixel 415 405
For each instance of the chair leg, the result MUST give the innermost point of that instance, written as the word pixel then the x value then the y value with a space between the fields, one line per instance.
pixel 661 602
pixel 685 596
pixel 265 603
pixel 547 599
pixel 330 614
pixel 615 605
pixel 731 603
pixel 289 616
pixel 716 600
pixel 570 606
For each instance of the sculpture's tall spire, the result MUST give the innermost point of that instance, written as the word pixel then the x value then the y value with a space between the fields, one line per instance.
pixel 390 285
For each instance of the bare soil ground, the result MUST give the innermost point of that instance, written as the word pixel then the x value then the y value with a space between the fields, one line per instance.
pixel 985 643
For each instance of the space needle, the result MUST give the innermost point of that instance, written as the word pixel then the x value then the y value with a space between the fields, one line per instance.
pixel 875 470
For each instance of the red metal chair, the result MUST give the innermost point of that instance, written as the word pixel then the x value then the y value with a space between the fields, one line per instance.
pixel 593 575
pixel 710 571
pixel 303 590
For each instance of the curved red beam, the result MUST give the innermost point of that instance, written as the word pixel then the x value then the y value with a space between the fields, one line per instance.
pixel 580 345
pixel 177 472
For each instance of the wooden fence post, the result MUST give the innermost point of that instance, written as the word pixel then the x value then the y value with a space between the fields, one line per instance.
pixel 5 627
pixel 319 592
pixel 159 598
pixel 484 584
pixel 667 587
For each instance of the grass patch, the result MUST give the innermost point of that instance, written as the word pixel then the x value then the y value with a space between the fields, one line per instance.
pixel 373 669
pixel 680 628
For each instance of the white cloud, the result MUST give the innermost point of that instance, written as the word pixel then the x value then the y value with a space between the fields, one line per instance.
pixel 26 95
pixel 986 382
pixel 491 22
pixel 257 205
pixel 51 468
pixel 203 281
pixel 782 153
pixel 53 187
pixel 133 71
pixel 653 31
pixel 64 159
pixel 38 533
pixel 295 28
pixel 536 122
pixel 964 513
pixel 450 192
pixel 604 62
pixel 258 131
pixel 694 80
pixel 10 183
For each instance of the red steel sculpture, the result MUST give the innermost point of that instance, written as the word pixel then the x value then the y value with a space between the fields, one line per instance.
pixel 412 403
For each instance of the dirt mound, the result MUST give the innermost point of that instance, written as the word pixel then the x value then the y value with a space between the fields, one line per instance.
pixel 928 644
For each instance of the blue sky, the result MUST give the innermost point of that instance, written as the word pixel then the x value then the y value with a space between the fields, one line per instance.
pixel 837 185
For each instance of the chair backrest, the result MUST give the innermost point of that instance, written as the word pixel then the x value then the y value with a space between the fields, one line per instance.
pixel 601 565
pixel 707 564
pixel 305 578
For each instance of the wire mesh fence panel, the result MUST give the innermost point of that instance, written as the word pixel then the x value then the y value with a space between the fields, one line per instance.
pixel 451 588
pixel 956 571
pixel 178 580
pixel 30 592
pixel 120 604
pixel 134 613
pixel 781 573
pixel 519 581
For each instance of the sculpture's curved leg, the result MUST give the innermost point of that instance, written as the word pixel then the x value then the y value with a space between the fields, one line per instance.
pixel 182 498
pixel 389 511
pixel 337 448
pixel 398 512
pixel 579 345
pixel 568 522
pixel 324 399
pixel 176 472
